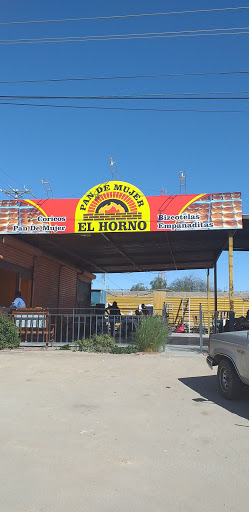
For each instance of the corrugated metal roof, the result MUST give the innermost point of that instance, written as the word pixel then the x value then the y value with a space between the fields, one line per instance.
pixel 144 251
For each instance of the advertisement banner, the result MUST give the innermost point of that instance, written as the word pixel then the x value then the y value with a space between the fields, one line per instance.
pixel 117 207
pixel 113 206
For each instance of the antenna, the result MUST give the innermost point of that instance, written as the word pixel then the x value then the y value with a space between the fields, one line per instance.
pixel 163 191
pixel 113 165
pixel 14 193
pixel 183 181
pixel 48 187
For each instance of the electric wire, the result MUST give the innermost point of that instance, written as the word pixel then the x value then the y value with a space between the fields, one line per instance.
pixel 113 282
pixel 145 35
pixel 122 16
pixel 13 179
pixel 128 77
pixel 170 96
pixel 5 184
pixel 121 108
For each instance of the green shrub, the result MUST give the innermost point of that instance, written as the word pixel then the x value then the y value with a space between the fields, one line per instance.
pixel 104 343
pixel 65 347
pixel 98 343
pixel 129 349
pixel 8 334
pixel 151 334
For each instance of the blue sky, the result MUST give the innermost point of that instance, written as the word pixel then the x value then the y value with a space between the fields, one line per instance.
pixel 71 147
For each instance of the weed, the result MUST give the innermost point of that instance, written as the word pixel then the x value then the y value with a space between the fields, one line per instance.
pixel 151 333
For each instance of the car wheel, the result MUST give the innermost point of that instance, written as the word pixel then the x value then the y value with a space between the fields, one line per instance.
pixel 229 382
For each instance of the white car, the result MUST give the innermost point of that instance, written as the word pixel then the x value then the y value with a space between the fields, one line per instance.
pixel 230 352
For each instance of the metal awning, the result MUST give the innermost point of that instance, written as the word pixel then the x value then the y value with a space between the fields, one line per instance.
pixel 145 251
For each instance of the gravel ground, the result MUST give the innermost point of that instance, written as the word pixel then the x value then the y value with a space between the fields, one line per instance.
pixel 111 433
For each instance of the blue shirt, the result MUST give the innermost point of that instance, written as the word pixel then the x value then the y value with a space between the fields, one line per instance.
pixel 19 302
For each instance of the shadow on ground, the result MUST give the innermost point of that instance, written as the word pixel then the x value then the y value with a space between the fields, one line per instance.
pixel 184 341
pixel 184 349
pixel 207 388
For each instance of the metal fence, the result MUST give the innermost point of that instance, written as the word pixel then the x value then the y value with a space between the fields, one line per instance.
pixel 47 328
pixel 73 327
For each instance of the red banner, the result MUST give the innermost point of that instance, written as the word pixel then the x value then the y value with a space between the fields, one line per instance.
pixel 119 207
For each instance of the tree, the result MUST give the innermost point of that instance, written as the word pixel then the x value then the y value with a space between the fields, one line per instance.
pixel 158 283
pixel 189 283
pixel 139 287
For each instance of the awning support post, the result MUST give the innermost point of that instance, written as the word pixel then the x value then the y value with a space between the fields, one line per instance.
pixel 215 297
pixel 201 331
pixel 231 298
pixel 230 256
pixel 208 300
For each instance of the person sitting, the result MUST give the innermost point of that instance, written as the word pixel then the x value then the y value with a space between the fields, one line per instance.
pixel 114 309
pixel 19 301
pixel 144 310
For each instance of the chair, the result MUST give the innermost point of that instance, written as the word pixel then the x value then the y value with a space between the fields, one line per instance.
pixel 33 325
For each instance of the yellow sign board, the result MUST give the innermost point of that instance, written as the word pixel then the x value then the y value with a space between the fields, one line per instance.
pixel 114 206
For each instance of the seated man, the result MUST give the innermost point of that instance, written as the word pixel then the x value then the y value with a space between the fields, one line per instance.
pixel 19 301
pixel 145 311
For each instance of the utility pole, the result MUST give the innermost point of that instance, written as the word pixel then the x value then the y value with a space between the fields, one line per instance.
pixel 113 165
pixel 14 193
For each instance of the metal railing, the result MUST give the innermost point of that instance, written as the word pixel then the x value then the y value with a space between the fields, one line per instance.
pixel 47 328
pixel 67 328
pixel 67 325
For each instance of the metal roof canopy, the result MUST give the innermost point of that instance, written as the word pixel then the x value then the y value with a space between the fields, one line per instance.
pixel 143 251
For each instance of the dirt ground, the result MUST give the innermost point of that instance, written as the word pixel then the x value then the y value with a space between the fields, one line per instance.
pixel 111 433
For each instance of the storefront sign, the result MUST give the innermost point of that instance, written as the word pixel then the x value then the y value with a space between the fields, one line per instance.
pixel 114 206
pixel 117 207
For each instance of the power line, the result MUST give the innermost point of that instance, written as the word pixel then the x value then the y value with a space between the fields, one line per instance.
pixel 13 179
pixel 171 96
pixel 5 184
pixel 24 189
pixel 191 93
pixel 123 108
pixel 145 35
pixel 113 282
pixel 82 79
pixel 124 16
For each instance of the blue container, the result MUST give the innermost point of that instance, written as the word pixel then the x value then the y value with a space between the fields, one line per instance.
pixel 98 297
